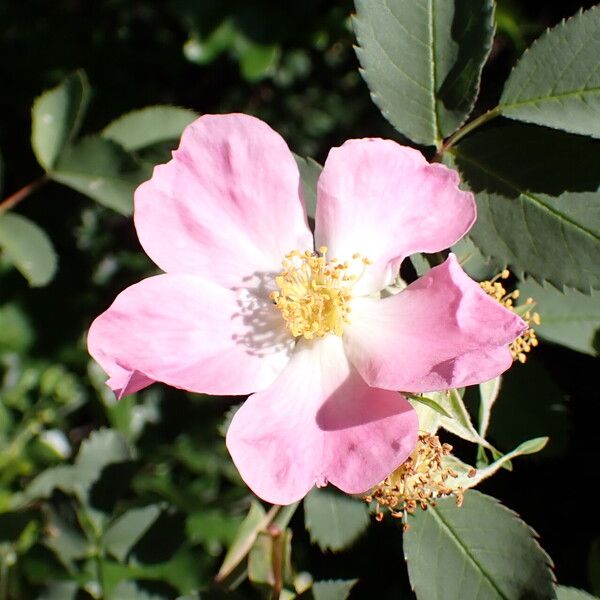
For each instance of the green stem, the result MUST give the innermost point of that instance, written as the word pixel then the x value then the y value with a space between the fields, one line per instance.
pixel 466 129
pixel 3 578
pixel 21 194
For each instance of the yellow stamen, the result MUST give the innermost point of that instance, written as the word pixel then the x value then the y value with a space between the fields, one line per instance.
pixel 417 482
pixel 315 293
pixel 527 340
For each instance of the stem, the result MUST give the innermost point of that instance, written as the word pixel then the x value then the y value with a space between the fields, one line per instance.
pixel 249 542
pixel 21 194
pixel 3 578
pixel 466 129
pixel 277 560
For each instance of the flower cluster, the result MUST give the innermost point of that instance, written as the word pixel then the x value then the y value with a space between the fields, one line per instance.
pixel 247 305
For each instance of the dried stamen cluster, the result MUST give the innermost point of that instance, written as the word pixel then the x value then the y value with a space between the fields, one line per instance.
pixel 418 482
pixel 527 340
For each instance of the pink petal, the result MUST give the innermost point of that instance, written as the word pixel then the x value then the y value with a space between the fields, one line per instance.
pixel 443 331
pixel 385 201
pixel 228 205
pixel 124 382
pixel 318 423
pixel 192 334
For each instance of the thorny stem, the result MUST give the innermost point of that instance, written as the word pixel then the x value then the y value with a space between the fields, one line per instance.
pixel 465 130
pixel 21 194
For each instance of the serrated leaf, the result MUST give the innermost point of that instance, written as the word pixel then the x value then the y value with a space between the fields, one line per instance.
pixel 28 247
pixel 102 170
pixel 334 521
pixel 310 170
pixel 335 589
pixel 102 448
pixel 569 317
pixel 538 218
pixel 557 81
pixel 570 593
pixel 147 126
pixel 465 482
pixel 473 262
pixel 422 61
pixel 125 531
pixel 56 117
pixel 480 551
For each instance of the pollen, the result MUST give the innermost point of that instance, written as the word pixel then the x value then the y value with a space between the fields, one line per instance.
pixel 315 293
pixel 416 483
pixel 527 340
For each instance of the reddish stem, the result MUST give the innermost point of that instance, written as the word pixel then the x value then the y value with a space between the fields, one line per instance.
pixel 21 194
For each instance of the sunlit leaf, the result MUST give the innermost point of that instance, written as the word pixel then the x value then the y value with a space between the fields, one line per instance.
pixel 557 81
pixel 479 550
pixel 125 531
pixel 56 117
pixel 333 520
pixel 147 126
pixel 28 247
pixel 102 170
pixel 422 61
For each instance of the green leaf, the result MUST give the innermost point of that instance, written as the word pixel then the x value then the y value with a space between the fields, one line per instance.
pixel 473 262
pixel 245 538
pixel 422 61
pixel 56 117
pixel 538 210
pixel 429 402
pixel 467 479
pixel 568 318
pixel 457 422
pixel 310 170
pixel 337 589
pixel 479 550
pixel 570 593
pixel 16 331
pixel 257 60
pixel 147 126
pixel 102 170
pixel 125 531
pixel 557 81
pixel 488 394
pixel 333 520
pixel 27 247
pixel 102 448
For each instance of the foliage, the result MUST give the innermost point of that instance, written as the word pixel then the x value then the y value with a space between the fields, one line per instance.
pixel 138 499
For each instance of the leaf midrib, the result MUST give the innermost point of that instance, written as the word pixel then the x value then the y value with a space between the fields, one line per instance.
pixel 454 537
pixel 535 199
pixel 540 99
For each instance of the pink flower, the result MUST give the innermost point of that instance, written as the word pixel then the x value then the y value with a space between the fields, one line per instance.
pixel 323 353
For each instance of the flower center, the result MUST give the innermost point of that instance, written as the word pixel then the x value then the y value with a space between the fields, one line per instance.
pixel 314 293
